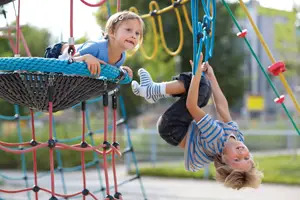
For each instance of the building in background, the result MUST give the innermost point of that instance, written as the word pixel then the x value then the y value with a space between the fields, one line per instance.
pixel 279 32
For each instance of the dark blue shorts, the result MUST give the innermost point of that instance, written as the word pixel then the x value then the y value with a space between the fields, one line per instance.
pixel 173 124
pixel 54 51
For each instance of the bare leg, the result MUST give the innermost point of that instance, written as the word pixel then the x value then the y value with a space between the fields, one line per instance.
pixel 175 87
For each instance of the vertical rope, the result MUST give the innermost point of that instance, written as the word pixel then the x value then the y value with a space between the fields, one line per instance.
pixel 23 158
pixel 71 18
pixel 95 156
pixel 118 5
pixel 83 145
pixel 18 29
pixel 34 152
pixel 105 105
pixel 51 151
pixel 115 144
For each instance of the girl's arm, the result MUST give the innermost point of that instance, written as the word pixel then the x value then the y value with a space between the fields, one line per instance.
pixel 192 98
pixel 92 62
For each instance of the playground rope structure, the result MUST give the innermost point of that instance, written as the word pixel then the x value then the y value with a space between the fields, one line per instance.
pixel 277 68
pixel 203 37
pixel 24 74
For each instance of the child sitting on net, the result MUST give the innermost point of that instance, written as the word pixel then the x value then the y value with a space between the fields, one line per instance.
pixel 123 31
pixel 203 138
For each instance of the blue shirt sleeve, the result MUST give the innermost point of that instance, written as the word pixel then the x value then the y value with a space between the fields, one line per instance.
pixel 89 48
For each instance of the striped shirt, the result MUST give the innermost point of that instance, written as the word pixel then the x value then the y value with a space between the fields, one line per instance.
pixel 206 139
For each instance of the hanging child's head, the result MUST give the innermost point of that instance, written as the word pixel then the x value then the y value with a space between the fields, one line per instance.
pixel 116 20
pixel 236 178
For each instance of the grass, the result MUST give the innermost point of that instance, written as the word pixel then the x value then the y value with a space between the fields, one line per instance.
pixel 277 169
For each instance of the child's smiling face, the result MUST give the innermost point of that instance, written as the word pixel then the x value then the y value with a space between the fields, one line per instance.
pixel 237 155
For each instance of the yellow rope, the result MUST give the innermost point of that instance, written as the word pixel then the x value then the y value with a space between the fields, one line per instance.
pixel 187 19
pixel 154 6
pixel 260 37
pixel 161 31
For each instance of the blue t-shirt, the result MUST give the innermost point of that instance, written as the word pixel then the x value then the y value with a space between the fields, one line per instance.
pixel 99 49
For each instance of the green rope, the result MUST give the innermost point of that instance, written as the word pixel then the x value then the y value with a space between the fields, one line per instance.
pixel 260 65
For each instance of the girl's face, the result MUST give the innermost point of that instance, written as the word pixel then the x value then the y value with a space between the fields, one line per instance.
pixel 128 34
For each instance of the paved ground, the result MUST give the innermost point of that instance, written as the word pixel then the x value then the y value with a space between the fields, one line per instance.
pixel 158 189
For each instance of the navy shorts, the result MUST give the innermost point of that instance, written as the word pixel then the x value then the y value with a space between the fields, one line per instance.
pixel 54 51
pixel 173 124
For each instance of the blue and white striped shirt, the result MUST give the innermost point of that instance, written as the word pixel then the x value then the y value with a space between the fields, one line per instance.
pixel 206 139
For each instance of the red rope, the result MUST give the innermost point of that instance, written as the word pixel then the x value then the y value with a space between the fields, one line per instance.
pixel 118 5
pixel 16 191
pixel 83 142
pixel 113 153
pixel 93 5
pixel 104 150
pixel 18 29
pixel 11 42
pixel 14 144
pixel 34 152
pixel 25 44
pixel 24 150
pixel 71 18
pixel 51 150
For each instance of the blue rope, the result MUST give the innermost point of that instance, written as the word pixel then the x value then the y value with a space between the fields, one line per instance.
pixel 203 32
pixel 47 65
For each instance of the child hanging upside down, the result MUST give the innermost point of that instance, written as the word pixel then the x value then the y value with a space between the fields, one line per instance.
pixel 123 31
pixel 203 138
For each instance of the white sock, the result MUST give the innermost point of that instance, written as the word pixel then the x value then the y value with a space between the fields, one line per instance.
pixel 148 89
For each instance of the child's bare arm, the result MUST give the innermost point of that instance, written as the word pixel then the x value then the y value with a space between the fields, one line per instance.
pixel 220 100
pixel 192 98
pixel 92 62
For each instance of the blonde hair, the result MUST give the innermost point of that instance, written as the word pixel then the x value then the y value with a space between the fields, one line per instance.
pixel 236 179
pixel 118 18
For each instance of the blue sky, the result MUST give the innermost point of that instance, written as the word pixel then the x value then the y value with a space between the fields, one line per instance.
pixel 56 13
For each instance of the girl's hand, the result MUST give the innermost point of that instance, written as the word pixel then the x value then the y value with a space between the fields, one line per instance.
pixel 93 64
pixel 128 70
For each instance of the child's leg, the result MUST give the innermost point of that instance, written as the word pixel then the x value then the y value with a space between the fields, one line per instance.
pixel 174 123
pixel 153 91
pixel 55 50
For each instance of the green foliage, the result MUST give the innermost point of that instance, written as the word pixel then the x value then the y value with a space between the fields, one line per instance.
pixel 37 40
pixel 277 169
pixel 5 50
pixel 82 40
